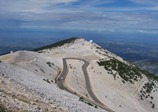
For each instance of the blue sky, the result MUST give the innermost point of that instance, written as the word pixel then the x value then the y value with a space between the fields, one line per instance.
pixel 101 15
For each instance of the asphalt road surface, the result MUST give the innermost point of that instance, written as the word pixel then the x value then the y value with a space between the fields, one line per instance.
pixel 62 76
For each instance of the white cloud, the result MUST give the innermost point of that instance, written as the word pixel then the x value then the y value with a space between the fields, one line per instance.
pixel 47 14
pixel 146 2
pixel 147 31
pixel 115 21
pixel 30 5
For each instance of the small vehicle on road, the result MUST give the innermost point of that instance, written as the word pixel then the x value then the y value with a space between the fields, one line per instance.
pixel 60 78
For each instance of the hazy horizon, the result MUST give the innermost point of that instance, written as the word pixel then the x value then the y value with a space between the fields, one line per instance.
pixel 128 26
pixel 130 46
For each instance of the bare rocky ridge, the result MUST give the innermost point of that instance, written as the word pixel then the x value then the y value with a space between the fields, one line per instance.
pixel 148 65
pixel 28 81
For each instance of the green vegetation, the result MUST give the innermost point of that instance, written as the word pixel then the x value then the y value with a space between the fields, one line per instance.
pixel 50 64
pixel 146 90
pixel 2 108
pixel 148 87
pixel 98 47
pixel 57 44
pixel 128 73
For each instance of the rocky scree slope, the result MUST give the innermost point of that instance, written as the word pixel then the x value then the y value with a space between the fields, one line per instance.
pixel 28 80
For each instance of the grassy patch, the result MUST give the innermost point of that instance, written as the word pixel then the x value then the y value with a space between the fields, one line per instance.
pixel 57 44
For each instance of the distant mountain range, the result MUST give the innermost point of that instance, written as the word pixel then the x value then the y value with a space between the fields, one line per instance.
pixel 148 65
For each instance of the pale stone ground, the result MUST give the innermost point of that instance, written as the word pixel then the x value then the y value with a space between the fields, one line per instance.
pixel 75 78
pixel 27 70
pixel 27 90
pixel 113 93
pixel 18 98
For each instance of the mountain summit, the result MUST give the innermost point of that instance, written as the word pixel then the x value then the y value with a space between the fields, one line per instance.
pixel 74 75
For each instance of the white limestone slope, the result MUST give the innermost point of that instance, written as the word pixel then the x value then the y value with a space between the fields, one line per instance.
pixel 27 84
pixel 36 73
pixel 75 79
pixel 119 96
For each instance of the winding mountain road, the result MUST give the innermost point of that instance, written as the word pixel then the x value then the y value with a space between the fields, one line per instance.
pixel 62 76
